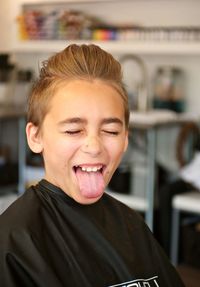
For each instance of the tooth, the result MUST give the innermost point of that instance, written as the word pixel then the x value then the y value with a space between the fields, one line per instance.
pixel 91 169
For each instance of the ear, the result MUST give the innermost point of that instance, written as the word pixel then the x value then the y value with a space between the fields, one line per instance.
pixel 34 138
pixel 126 141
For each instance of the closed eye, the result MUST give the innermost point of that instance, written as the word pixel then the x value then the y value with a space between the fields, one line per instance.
pixel 73 132
pixel 115 133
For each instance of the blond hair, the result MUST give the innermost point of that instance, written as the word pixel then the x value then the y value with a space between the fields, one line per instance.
pixel 87 62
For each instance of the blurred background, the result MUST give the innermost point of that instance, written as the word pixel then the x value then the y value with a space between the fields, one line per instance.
pixel 158 45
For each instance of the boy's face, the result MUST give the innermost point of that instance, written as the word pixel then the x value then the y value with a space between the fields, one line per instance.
pixel 82 139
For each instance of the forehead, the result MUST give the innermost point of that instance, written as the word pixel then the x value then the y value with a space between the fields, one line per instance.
pixel 87 98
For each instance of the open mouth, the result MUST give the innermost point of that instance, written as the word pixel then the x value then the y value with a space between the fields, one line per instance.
pixel 90 179
pixel 83 168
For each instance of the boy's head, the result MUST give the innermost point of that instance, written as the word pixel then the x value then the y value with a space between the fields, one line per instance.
pixel 78 119
pixel 86 62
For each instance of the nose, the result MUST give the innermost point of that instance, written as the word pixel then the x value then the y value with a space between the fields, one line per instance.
pixel 92 145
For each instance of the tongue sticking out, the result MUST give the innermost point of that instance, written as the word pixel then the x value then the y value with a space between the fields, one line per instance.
pixel 91 184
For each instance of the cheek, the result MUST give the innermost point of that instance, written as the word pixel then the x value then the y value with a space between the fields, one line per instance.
pixel 63 151
pixel 54 152
pixel 116 150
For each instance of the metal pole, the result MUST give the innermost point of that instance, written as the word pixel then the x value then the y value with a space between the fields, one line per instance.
pixel 21 154
pixel 151 154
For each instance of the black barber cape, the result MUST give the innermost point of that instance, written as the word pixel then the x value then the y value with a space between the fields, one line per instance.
pixel 47 239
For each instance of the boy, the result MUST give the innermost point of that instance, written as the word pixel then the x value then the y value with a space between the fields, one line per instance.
pixel 66 231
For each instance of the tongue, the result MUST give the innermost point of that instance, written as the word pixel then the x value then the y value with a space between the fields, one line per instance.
pixel 91 184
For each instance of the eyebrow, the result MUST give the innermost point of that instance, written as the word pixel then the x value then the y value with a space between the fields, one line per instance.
pixel 77 120
pixel 112 120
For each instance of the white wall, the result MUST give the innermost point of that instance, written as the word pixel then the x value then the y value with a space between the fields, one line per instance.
pixel 5 27
pixel 147 12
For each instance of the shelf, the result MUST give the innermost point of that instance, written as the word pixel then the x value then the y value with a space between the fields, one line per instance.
pixel 54 2
pixel 119 47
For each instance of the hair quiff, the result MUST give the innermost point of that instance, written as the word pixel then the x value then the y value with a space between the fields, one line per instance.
pixel 87 62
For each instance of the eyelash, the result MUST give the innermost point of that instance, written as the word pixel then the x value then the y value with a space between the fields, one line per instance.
pixel 73 132
pixel 114 133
